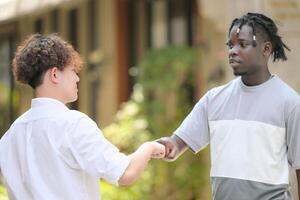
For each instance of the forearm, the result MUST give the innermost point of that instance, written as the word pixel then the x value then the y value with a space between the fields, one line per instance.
pixel 180 144
pixel 138 161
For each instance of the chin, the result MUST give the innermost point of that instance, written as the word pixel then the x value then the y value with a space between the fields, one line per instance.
pixel 236 74
pixel 74 99
pixel 71 100
pixel 239 73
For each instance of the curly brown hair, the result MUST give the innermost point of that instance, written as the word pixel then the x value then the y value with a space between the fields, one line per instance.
pixel 38 53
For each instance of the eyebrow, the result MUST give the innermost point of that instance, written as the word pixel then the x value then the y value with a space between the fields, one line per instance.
pixel 239 39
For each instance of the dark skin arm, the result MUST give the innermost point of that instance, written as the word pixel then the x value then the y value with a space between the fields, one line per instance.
pixel 298 181
pixel 174 147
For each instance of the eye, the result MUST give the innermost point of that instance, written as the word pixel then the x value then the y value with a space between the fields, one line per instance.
pixel 229 45
pixel 243 44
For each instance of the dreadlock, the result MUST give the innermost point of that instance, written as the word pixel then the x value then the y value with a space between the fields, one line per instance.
pixel 267 27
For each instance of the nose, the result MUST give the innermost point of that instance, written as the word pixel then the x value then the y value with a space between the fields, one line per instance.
pixel 233 51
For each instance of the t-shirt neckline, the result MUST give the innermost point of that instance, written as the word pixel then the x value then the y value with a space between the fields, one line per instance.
pixel 256 87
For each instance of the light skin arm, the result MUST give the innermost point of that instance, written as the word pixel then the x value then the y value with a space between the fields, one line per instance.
pixel 174 147
pixel 139 160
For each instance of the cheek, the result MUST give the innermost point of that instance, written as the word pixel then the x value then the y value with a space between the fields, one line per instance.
pixel 249 55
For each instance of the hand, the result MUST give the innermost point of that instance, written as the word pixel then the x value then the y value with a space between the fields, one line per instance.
pixel 158 150
pixel 170 147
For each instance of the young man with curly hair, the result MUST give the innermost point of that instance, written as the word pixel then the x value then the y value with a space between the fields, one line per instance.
pixel 52 152
pixel 251 123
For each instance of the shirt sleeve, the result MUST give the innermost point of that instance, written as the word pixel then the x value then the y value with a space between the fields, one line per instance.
pixel 194 129
pixel 95 154
pixel 293 137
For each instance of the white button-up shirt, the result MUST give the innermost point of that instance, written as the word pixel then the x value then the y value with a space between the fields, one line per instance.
pixel 51 152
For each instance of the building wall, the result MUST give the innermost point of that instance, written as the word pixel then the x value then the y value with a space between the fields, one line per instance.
pixel 286 14
pixel 98 94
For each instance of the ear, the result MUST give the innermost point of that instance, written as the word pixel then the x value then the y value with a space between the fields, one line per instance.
pixel 53 73
pixel 267 48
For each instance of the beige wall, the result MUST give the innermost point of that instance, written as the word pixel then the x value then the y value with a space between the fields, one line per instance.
pixel 286 14
pixel 106 52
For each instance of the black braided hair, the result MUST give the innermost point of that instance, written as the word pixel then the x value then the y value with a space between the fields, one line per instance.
pixel 267 27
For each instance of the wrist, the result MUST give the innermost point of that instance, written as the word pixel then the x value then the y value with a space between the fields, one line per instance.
pixel 147 147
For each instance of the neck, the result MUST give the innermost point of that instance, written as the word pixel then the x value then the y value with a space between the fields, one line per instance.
pixel 255 79
pixel 46 91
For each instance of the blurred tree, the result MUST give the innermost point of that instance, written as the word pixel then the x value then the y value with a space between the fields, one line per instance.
pixel 128 132
pixel 161 99
pixel 167 76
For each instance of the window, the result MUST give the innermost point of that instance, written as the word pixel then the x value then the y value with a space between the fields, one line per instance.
pixel 170 22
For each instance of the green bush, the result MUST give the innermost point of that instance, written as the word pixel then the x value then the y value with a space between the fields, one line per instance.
pixel 3 193
pixel 161 99
pixel 128 132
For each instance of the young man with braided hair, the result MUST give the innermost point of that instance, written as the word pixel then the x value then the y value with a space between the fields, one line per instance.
pixel 52 152
pixel 251 123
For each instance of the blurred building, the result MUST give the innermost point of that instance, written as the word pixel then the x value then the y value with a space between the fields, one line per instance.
pixel 113 36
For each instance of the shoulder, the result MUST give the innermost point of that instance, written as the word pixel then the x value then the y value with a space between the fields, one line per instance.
pixel 75 116
pixel 22 118
pixel 217 94
pixel 287 96
pixel 225 89
pixel 286 91
pixel 82 120
pixel 54 117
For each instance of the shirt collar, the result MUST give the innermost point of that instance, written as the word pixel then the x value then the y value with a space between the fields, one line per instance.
pixel 47 102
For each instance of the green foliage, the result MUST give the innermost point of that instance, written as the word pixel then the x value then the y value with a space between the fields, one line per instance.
pixel 3 193
pixel 4 106
pixel 128 132
pixel 4 98
pixel 135 192
pixel 161 99
pixel 167 78
pixel 167 67
pixel 130 128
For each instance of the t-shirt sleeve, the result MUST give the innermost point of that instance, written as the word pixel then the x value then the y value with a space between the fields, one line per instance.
pixel 293 137
pixel 194 129
pixel 95 154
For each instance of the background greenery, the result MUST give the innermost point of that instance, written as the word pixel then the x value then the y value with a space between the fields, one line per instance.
pixel 161 98
pixel 3 193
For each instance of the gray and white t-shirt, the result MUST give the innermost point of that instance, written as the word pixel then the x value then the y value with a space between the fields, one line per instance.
pixel 254 136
